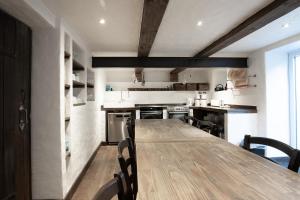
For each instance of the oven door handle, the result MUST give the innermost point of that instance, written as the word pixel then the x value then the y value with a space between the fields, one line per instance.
pixel 151 113
pixel 175 112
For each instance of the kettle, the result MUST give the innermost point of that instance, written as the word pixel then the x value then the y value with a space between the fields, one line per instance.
pixel 219 87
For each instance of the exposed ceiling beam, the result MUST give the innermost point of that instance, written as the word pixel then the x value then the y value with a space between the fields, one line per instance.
pixel 153 13
pixel 169 62
pixel 271 12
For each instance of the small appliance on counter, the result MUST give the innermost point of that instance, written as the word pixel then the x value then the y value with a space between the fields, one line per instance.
pixel 201 99
pixel 217 103
pixel 190 102
pixel 197 102
pixel 219 87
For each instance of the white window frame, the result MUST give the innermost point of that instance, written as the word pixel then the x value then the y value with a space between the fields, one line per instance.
pixel 293 100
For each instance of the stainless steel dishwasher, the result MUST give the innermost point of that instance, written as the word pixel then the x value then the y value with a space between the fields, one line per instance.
pixel 117 129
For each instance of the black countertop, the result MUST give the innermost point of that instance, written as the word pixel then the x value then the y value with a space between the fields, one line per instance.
pixel 119 108
pixel 165 105
pixel 230 109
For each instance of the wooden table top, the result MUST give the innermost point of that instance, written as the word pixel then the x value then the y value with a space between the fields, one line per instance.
pixel 168 130
pixel 199 166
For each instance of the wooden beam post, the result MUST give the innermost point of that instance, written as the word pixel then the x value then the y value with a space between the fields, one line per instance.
pixel 153 13
pixel 170 62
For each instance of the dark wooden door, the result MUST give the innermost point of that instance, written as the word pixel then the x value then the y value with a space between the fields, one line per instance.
pixel 15 62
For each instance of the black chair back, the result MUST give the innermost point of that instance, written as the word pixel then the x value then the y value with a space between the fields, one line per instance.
pixel 116 186
pixel 294 154
pixel 126 163
pixel 131 128
pixel 190 118
pixel 207 126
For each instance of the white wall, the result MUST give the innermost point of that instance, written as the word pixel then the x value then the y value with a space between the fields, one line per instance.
pixel 277 97
pixel 45 118
pixel 52 176
pixel 122 80
pixel 154 78
pixel 87 122
pixel 148 97
pixel 254 96
pixel 100 80
pixel 270 95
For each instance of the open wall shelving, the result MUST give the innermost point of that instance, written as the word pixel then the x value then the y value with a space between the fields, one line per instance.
pixel 78 86
pixel 78 76
pixel 74 85
pixel 90 85
pixel 68 92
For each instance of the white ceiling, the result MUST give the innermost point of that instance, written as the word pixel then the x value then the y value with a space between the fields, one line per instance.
pixel 123 20
pixel 269 34
pixel 178 34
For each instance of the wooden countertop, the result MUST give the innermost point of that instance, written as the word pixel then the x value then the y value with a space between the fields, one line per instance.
pixel 231 109
pixel 178 162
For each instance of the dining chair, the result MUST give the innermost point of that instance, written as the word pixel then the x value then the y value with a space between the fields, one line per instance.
pixel 293 154
pixel 203 124
pixel 127 162
pixel 187 119
pixel 206 125
pixel 115 187
pixel 131 128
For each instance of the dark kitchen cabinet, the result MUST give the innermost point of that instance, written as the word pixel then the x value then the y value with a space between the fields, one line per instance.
pixel 15 67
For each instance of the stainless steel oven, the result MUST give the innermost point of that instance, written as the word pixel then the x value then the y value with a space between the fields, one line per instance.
pixel 178 115
pixel 178 112
pixel 151 112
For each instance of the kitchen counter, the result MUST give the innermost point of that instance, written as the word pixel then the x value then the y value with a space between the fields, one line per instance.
pixel 231 109
pixel 165 105
pixel 119 108
pixel 138 106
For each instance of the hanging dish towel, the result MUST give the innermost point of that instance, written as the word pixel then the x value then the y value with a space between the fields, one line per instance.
pixel 239 78
pixel 237 74
pixel 238 84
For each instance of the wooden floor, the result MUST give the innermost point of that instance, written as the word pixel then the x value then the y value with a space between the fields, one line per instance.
pixel 101 170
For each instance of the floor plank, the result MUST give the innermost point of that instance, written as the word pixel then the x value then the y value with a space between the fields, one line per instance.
pixel 101 170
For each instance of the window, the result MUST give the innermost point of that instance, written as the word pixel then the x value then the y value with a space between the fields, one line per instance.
pixel 294 77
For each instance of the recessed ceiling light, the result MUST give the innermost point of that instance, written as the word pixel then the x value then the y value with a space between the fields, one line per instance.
pixel 102 21
pixel 199 23
pixel 285 25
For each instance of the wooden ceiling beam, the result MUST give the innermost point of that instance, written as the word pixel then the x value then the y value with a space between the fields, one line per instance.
pixel 268 14
pixel 169 62
pixel 153 13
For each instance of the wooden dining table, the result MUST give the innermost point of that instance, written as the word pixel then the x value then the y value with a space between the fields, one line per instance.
pixel 177 161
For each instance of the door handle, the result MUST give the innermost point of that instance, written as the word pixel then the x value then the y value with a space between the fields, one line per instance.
pixel 23 117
